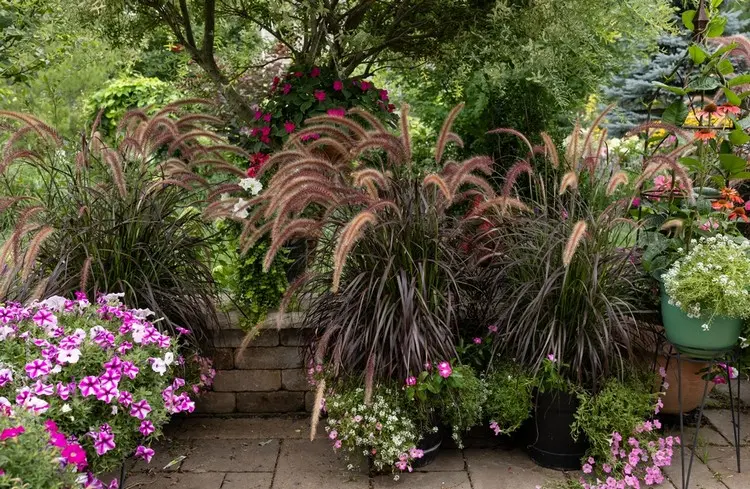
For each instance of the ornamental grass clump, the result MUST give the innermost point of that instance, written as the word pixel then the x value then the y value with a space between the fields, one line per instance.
pixel 712 280
pixel 121 214
pixel 105 374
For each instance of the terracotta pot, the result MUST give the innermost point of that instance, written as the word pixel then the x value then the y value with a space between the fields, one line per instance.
pixel 692 384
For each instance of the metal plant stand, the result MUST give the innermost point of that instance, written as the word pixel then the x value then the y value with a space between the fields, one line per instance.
pixel 713 358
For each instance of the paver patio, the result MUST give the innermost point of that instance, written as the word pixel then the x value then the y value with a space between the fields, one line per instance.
pixel 275 453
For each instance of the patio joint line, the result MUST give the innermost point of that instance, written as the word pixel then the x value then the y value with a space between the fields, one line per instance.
pixel 276 465
pixel 466 469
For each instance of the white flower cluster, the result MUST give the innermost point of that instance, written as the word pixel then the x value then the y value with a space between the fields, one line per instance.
pixel 713 278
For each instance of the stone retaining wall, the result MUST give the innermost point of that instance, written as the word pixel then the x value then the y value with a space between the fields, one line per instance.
pixel 266 377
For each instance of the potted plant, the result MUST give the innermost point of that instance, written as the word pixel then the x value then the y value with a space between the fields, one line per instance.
pixel 705 296
pixel 509 398
pixel 103 373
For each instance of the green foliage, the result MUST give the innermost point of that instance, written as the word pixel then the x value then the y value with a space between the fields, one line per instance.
pixel 253 292
pixel 29 460
pixel 124 94
pixel 619 407
pixel 528 66
pixel 509 397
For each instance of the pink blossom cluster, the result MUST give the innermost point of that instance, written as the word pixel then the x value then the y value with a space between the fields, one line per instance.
pixel 403 459
pixel 636 462
pixel 117 362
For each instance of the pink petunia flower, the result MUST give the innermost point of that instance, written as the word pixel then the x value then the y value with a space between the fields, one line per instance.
pixel 144 453
pixel 9 433
pixel 45 319
pixel 37 368
pixel 477 341
pixel 140 409
pixel 74 454
pixel 146 428
pixel 104 441
pixel 88 386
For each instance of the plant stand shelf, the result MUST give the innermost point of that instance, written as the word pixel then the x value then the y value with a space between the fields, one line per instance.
pixel 729 359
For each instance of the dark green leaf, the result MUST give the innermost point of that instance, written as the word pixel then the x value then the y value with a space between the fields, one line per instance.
pixel 739 137
pixel 676 113
pixel 704 83
pixel 732 97
pixel 732 163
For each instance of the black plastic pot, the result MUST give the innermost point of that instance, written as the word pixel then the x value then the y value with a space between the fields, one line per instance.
pixel 550 443
pixel 430 445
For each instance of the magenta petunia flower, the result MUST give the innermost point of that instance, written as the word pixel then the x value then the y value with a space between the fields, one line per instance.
pixel 38 368
pixel 140 409
pixel 58 440
pixel 74 454
pixel 125 398
pixel 104 442
pixel 144 453
pixel 45 319
pixel 147 427
pixel 9 433
pixel 89 386
pixel 107 393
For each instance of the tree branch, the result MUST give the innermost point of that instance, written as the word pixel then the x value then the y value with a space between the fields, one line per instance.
pixel 186 23
pixel 209 26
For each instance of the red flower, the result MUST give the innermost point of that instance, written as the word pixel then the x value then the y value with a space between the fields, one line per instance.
pixel 336 112
pixel 298 74
pixel 391 107
pixel 267 117
pixel 320 95
pixel 383 95
pixel 338 85
pixel 276 80
pixel 289 127
pixel 286 89
pixel 258 114
pixel 252 171
pixel 310 137
pixel 315 72
pixel 365 85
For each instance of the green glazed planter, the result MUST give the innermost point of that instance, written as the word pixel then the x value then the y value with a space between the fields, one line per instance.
pixel 687 335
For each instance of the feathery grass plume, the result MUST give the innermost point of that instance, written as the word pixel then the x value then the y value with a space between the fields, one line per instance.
pixel 374 122
pixel 85 273
pixel 182 140
pixel 455 171
pixel 322 130
pixel 619 178
pixel 359 178
pixel 519 135
pixel 476 181
pixel 405 136
pixel 594 127
pixel 19 155
pixel 369 378
pixel 670 128
pixel 330 143
pixel 191 119
pixel 672 224
pixel 218 165
pixel 659 162
pixel 33 250
pixel 295 190
pixel 328 120
pixel 115 165
pixel 512 175
pixel 301 227
pixel 36 125
pixel 437 180
pixel 7 202
pixel 248 238
pixel 454 138
pixel 569 180
pixel 445 131
pixel 571 152
pixel 742 44
pixel 602 141
pixel 163 183
pixel 349 235
pixel 503 203
pixel 317 407
pixel 381 142
pixel 573 241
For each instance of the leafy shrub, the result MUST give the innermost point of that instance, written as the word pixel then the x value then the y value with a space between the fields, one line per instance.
pixel 619 407
pixel 124 94
pixel 253 291
pixel 105 373
pixel 122 218
pixel 509 399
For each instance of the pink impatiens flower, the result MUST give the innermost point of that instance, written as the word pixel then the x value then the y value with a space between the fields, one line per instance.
pixel 410 381
pixel 289 127
pixel 286 89
pixel 315 72
pixel 338 85
pixel 551 357
pixel 444 369
pixel 492 328
pixel 336 112
pixel 477 341
pixel 320 95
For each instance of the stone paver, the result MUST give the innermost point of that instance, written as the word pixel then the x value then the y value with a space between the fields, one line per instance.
pixel 722 421
pixel 744 391
pixel 506 469
pixel 305 464
pixel 706 436
pixel 723 461
pixel 210 480
pixel 425 480
pixel 276 453
pixel 237 456
pixel 250 480
pixel 701 476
